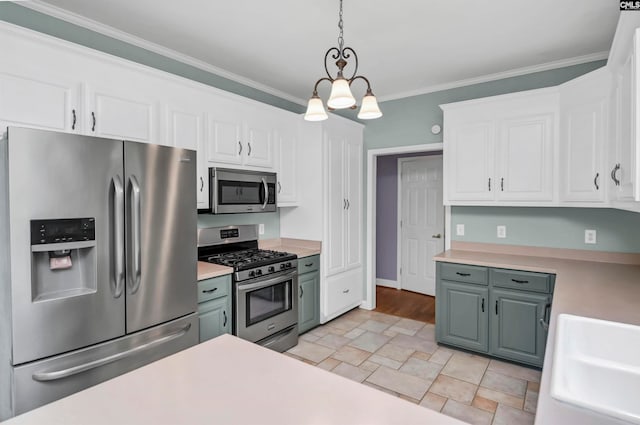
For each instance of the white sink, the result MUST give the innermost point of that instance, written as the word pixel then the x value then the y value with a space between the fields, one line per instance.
pixel 596 365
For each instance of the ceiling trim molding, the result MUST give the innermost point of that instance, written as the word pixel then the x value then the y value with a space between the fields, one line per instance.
pixel 106 30
pixel 499 75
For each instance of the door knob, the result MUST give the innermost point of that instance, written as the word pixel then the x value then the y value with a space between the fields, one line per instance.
pixel 438 236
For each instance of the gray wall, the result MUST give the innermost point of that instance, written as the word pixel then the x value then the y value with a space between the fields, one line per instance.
pixel 387 214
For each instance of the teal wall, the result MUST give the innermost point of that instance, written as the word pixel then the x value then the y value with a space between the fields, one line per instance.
pixel 550 227
pixel 271 221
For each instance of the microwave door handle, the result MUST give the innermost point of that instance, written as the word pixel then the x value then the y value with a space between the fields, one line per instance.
pixel 266 193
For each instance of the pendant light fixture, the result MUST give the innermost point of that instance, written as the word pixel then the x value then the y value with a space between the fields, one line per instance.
pixel 341 97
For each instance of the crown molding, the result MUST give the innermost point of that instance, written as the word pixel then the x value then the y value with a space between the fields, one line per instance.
pixel 106 30
pixel 499 75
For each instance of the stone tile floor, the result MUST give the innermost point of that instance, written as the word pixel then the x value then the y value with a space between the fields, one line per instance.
pixel 400 356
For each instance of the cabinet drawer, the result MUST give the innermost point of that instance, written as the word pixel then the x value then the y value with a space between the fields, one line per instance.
pixel 526 281
pixel 342 294
pixel 211 289
pixel 308 264
pixel 464 273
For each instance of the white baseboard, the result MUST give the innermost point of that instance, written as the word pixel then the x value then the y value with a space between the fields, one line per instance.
pixel 388 283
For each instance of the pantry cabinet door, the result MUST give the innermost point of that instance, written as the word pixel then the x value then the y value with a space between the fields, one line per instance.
pixel 526 158
pixel 469 161
pixel 41 103
pixel 336 203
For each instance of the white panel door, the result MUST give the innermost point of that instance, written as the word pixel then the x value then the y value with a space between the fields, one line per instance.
pixel 470 159
pixel 287 143
pixel 583 136
pixel 38 103
pixel 259 151
pixel 422 225
pixel 225 142
pixel 185 130
pixel 113 114
pixel 336 204
pixel 526 158
pixel 353 195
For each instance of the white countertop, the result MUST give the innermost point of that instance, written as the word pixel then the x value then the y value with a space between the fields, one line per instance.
pixel 227 380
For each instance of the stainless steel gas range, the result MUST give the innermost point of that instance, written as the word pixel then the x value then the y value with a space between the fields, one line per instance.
pixel 265 285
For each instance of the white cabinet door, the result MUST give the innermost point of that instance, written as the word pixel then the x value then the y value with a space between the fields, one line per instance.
pixel 336 203
pixel 287 147
pixel 259 141
pixel 583 109
pixel 122 113
pixel 225 132
pixel 469 161
pixel 353 186
pixel 185 130
pixel 39 103
pixel 625 168
pixel 526 158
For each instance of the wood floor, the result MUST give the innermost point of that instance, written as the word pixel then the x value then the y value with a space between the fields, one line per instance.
pixel 410 305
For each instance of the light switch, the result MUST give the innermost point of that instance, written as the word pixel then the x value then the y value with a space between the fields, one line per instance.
pixel 502 231
pixel 590 236
pixel 459 229
pixel 261 228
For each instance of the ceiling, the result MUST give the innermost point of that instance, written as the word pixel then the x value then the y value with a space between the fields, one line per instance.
pixel 405 47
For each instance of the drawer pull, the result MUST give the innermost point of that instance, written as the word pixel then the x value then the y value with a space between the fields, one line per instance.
pixel 308 265
pixel 463 274
pixel 208 291
pixel 483 305
pixel 346 291
pixel 224 313
pixel 544 322
pixel 496 306
pixel 519 281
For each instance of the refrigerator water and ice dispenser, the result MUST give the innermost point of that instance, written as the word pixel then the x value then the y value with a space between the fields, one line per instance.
pixel 63 258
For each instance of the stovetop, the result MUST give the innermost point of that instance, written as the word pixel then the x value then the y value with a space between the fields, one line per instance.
pixel 249 258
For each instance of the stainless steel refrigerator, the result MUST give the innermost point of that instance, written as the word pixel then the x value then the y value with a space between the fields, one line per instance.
pixel 97 261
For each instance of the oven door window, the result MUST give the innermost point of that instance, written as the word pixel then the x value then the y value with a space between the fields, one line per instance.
pixel 240 193
pixel 267 302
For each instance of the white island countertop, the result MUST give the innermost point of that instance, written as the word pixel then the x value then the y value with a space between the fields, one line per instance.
pixel 230 381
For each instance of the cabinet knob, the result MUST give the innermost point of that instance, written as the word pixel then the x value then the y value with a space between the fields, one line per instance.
pixel 437 236
pixel 301 292
pixel 201 183
pixel 73 124
pixel 93 119
pixel 249 152
pixel 239 147
pixel 595 181
pixel 346 291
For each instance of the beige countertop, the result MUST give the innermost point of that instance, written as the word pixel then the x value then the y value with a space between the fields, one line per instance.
pixel 227 380
pixel 209 270
pixel 588 287
pixel 301 247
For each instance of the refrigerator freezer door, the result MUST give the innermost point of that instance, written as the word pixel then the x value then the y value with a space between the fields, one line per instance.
pixel 62 306
pixel 48 380
pixel 161 227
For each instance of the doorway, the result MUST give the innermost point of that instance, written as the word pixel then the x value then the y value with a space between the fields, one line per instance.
pixel 420 231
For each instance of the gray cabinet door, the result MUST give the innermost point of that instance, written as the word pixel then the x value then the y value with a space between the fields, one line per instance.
pixel 516 331
pixel 215 318
pixel 309 301
pixel 463 315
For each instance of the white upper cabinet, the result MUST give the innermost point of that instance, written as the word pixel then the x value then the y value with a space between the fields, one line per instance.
pixel 525 158
pixel 583 132
pixel 286 143
pixel 240 134
pixel 500 150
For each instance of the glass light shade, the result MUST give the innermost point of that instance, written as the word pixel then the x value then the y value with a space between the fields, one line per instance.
pixel 341 96
pixel 315 110
pixel 369 109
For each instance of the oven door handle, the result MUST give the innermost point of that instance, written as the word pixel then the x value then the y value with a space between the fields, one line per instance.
pixel 268 282
pixel 266 193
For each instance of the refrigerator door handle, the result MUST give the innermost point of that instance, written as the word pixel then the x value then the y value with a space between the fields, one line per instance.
pixel 135 234
pixel 65 373
pixel 118 237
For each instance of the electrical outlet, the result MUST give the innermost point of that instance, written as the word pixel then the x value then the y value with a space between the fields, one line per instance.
pixel 459 229
pixel 502 231
pixel 590 236
pixel 261 228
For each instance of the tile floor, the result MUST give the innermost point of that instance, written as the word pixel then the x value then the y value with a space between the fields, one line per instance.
pixel 400 356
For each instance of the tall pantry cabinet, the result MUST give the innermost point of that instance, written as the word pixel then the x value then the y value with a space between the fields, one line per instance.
pixel 330 162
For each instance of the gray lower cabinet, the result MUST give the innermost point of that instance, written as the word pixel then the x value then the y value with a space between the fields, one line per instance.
pixel 309 293
pixel 463 315
pixel 214 307
pixel 500 312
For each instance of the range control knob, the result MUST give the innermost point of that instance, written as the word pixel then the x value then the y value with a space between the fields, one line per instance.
pixel 252 273
pixel 272 269
pixel 282 266
pixel 288 265
pixel 259 272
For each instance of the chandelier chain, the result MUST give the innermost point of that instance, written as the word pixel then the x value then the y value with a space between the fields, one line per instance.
pixel 341 27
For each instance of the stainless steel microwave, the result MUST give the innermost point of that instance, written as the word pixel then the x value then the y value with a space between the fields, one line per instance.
pixel 241 191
